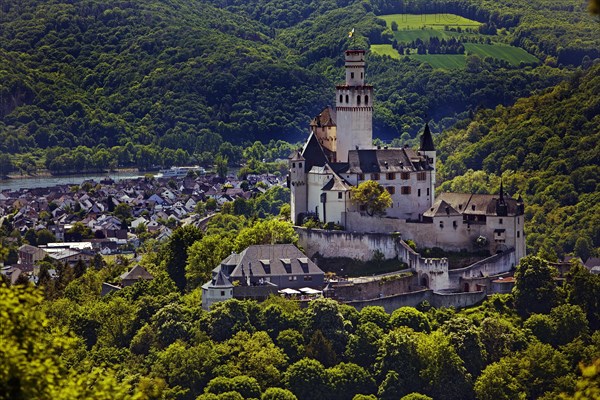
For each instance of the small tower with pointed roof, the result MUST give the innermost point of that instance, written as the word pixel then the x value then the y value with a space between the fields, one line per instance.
pixel 427 149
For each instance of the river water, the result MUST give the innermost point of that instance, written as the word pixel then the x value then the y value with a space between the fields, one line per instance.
pixel 16 183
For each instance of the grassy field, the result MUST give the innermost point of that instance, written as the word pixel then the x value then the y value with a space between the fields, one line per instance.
pixel 423 34
pixel 431 21
pixel 514 55
pixel 443 61
pixel 385 50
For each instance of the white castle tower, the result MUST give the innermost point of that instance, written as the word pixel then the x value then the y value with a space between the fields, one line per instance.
pixel 354 108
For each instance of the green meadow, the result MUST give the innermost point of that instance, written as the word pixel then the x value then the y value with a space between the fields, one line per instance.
pixel 444 26
pixel 512 54
pixel 442 61
pixel 407 36
pixel 385 50
pixel 428 21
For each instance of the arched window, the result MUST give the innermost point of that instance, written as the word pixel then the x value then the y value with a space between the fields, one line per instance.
pixel 366 100
pixel 341 98
pixel 347 99
pixel 358 99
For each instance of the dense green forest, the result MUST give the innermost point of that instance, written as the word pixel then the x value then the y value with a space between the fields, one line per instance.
pixel 149 75
pixel 546 148
pixel 151 341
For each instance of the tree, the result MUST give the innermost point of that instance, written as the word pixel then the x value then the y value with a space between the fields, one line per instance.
pixel 226 318
pixel 499 381
pixel 203 256
pixel 416 396
pixel 583 247
pixel 44 236
pixel 276 393
pixel 321 349
pixel 307 379
pixel 176 253
pixel 6 165
pixel 443 373
pixel 535 289
pixel 410 317
pixel 30 356
pixel 123 211
pixel 363 344
pixel 583 289
pixel 270 231
pixel 186 368
pixel 347 380
pixel 372 196
pixel 221 166
pixel 375 314
pixel 398 362
pixel 464 336
pixel 246 386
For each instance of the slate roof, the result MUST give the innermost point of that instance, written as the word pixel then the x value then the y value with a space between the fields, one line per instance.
pixel 272 260
pixel 219 281
pixel 327 117
pixel 440 209
pixel 477 204
pixel 313 153
pixel 427 140
pixel 336 183
pixel 137 273
pixel 386 160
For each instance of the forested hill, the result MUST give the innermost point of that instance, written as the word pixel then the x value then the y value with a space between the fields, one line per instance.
pixel 546 147
pixel 151 75
pixel 74 72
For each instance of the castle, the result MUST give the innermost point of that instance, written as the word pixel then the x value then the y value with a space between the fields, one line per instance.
pixel 339 155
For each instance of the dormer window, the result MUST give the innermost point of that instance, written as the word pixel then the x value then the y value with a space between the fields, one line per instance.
pixel 287 264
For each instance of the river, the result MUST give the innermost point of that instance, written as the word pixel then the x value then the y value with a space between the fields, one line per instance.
pixel 16 183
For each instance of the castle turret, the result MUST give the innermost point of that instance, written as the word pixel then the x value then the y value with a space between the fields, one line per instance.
pixel 354 108
pixel 501 205
pixel 297 185
pixel 427 149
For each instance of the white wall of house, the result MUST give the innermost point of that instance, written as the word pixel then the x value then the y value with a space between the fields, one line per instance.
pixel 213 295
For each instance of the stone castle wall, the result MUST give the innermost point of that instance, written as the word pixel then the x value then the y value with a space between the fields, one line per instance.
pixel 436 299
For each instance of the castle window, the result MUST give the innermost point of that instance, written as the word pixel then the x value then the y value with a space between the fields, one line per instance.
pixel 293 165
pixel 454 224
pixel 419 192
pixel 421 176
pixel 361 177
pixel 299 165
pixel 405 175
pixel 427 191
pixel 358 99
pixel 390 189
pixel 347 101
pixel 362 75
pixel 375 176
pixel 500 221
pixel 307 278
pixel 518 234
pixel 405 190
pixel 341 98
pixel 222 293
pixel 340 195
pixel 366 100
pixel 390 176
pixel 441 224
pixel 351 75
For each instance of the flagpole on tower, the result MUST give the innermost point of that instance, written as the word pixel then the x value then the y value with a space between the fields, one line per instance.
pixel 351 36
